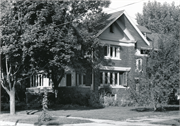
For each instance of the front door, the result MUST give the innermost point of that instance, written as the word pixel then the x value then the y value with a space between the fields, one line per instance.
pixel 68 79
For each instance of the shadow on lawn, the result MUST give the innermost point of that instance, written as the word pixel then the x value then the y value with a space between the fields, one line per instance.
pixel 48 123
pixel 165 108
pixel 72 107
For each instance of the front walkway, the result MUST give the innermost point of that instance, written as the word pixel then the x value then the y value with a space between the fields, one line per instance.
pixel 140 121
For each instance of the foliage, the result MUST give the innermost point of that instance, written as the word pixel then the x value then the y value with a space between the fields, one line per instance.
pixel 12 70
pixel 54 39
pixel 45 35
pixel 160 78
pixel 105 90
pixel 160 18
pixel 94 100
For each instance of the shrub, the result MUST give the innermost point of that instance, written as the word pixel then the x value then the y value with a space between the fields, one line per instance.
pixel 94 100
pixel 105 90
pixel 122 98
pixel 109 101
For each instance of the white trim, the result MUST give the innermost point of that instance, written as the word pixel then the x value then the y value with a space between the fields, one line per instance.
pixel 142 36
pixel 143 55
pixel 112 58
pixel 101 31
pixel 118 86
pixel 124 29
pixel 136 28
pixel 125 43
pixel 115 68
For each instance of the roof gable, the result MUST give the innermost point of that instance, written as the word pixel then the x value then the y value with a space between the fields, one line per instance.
pixel 115 16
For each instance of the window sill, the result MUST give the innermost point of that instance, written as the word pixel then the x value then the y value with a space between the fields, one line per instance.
pixel 113 86
pixel 112 58
pixel 119 86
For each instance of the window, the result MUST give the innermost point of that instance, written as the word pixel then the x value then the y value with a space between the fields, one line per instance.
pixel 111 29
pixel 112 52
pixel 138 65
pixel 144 51
pixel 113 78
pixel 80 79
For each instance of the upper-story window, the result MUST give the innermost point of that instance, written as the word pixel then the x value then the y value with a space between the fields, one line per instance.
pixel 111 29
pixel 111 51
pixel 144 51
pixel 138 65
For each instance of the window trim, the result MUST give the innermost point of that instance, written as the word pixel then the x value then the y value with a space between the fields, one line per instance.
pixel 114 77
pixel 138 65
pixel 113 52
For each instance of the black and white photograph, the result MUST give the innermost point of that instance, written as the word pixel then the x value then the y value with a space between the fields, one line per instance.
pixel 89 62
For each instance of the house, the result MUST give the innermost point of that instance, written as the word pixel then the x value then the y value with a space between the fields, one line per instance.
pixel 124 44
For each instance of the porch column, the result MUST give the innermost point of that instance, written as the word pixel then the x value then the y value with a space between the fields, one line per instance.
pixel 103 77
pixel 118 78
pixel 113 76
pixel 108 77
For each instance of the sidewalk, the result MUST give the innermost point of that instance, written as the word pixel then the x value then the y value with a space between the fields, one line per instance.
pixel 141 121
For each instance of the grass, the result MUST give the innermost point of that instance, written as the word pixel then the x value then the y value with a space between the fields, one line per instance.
pixel 33 119
pixel 109 113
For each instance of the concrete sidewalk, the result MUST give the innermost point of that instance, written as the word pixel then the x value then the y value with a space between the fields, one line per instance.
pixel 139 121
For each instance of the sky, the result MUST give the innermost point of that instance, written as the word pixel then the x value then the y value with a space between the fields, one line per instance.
pixel 132 7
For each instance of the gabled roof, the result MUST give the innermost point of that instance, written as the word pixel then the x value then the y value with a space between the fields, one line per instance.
pixel 143 29
pixel 114 16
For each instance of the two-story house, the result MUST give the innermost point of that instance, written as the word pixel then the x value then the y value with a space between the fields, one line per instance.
pixel 125 44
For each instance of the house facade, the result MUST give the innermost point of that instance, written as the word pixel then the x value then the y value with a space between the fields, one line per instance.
pixel 125 45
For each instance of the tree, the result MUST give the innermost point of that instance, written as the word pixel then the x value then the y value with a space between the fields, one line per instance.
pixel 44 35
pixel 54 34
pixel 12 60
pixel 160 18
pixel 161 76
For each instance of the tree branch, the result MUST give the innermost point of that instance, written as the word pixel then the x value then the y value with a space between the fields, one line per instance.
pixel 5 88
pixel 7 72
pixel 17 70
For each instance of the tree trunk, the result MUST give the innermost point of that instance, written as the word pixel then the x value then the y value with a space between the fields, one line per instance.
pixel 96 80
pixel 12 101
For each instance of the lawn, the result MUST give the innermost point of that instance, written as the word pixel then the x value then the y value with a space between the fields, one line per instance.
pixel 33 119
pixel 109 113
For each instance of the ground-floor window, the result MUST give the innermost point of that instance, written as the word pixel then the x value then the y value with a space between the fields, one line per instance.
pixel 80 79
pixel 40 80
pixel 113 77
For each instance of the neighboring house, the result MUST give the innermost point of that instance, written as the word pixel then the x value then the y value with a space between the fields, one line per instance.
pixel 125 44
